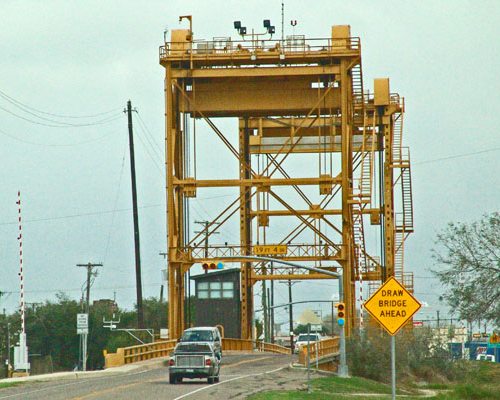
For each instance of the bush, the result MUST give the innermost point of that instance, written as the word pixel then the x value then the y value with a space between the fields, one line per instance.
pixel 369 356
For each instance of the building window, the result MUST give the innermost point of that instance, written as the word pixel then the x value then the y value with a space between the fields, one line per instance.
pixel 203 290
pixel 215 290
pixel 227 290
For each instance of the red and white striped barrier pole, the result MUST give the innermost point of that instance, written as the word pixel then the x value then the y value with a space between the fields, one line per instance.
pixel 21 273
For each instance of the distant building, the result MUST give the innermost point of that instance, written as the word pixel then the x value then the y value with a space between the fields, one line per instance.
pixel 217 301
pixel 108 304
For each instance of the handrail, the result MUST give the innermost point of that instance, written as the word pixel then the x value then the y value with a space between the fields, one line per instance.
pixel 320 350
pixel 204 48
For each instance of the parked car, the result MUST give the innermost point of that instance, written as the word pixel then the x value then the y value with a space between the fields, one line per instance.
pixel 303 338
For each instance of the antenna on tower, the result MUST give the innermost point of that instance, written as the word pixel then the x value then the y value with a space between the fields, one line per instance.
pixel 282 23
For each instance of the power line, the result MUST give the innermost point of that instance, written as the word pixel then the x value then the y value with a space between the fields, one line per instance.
pixel 148 133
pixel 80 215
pixel 93 213
pixel 115 204
pixel 22 105
pixel 455 156
pixel 56 145
pixel 63 124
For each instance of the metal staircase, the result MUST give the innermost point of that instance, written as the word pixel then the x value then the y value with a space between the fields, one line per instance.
pixel 406 191
pixel 358 100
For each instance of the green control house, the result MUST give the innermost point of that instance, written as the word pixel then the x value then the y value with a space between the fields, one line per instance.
pixel 217 301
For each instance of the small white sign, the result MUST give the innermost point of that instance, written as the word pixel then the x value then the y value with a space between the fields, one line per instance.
pixel 163 333
pixel 82 324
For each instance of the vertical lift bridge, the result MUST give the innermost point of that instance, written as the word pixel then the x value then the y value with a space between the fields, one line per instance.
pixel 294 97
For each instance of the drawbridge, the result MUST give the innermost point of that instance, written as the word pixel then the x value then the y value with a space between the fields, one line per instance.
pixel 319 167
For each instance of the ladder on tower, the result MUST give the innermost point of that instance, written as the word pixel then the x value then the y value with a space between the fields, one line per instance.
pixel 358 99
pixel 406 191
pixel 397 140
pixel 399 246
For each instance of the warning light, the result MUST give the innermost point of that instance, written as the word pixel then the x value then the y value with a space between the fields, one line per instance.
pixel 340 314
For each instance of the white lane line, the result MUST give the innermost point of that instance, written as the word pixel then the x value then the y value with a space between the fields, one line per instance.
pixel 84 380
pixel 229 380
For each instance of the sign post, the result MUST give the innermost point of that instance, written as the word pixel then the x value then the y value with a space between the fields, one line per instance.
pixel 392 306
pixel 82 329
pixel 307 318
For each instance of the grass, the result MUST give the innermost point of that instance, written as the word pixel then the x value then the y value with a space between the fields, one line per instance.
pixel 480 382
pixel 4 385
pixel 331 388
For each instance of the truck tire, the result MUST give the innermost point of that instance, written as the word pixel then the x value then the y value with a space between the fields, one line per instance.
pixel 217 379
pixel 172 379
pixel 210 380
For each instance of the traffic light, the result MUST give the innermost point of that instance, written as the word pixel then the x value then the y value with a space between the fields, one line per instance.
pixel 212 265
pixel 340 314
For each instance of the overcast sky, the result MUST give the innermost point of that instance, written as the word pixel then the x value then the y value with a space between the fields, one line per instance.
pixel 83 58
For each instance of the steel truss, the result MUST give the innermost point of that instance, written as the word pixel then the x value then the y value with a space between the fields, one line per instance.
pixel 288 100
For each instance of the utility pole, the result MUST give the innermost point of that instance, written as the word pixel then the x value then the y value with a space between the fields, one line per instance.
pixel 265 310
pixel 271 303
pixel 205 231
pixel 84 337
pixel 269 317
pixel 138 279
pixel 290 310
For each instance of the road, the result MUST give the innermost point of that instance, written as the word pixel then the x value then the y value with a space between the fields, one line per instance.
pixel 241 375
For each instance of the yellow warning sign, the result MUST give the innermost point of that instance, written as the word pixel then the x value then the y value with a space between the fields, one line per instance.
pixel 392 305
pixel 273 249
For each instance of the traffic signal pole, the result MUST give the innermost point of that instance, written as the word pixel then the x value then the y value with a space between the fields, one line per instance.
pixel 343 370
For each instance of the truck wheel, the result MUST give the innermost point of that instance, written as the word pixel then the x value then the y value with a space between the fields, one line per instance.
pixel 217 379
pixel 172 379
pixel 210 380
pixel 179 379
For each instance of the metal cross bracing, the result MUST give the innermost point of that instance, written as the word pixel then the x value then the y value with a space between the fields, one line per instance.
pixel 304 147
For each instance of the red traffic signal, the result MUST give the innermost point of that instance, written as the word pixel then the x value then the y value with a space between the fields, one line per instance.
pixel 211 265
pixel 340 313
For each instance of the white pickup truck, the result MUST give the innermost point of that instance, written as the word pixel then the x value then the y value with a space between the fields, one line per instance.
pixel 302 340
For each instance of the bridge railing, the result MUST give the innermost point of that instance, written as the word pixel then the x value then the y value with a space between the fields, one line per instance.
pixel 272 348
pixel 132 354
pixel 128 355
pixel 320 350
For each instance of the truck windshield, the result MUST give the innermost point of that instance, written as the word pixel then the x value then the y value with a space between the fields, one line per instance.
pixel 197 336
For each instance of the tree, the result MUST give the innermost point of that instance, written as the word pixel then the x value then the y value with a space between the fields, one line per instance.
pixel 470 257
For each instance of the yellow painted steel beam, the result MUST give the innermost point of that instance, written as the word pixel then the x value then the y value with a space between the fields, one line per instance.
pixel 206 183
pixel 310 212
pixel 231 73
pixel 282 277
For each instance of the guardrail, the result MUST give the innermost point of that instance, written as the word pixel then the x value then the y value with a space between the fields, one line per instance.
pixel 272 348
pixel 128 355
pixel 132 354
pixel 321 351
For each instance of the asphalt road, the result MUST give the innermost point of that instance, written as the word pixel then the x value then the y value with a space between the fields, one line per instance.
pixel 241 375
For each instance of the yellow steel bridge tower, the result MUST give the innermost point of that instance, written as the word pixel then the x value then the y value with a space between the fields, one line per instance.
pixel 293 98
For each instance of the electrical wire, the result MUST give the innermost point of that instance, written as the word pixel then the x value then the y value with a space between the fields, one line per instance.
pixel 79 215
pixel 455 156
pixel 22 105
pixel 152 142
pixel 55 145
pixel 113 215
pixel 63 124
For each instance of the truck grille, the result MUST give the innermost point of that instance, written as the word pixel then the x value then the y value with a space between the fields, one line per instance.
pixel 190 361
